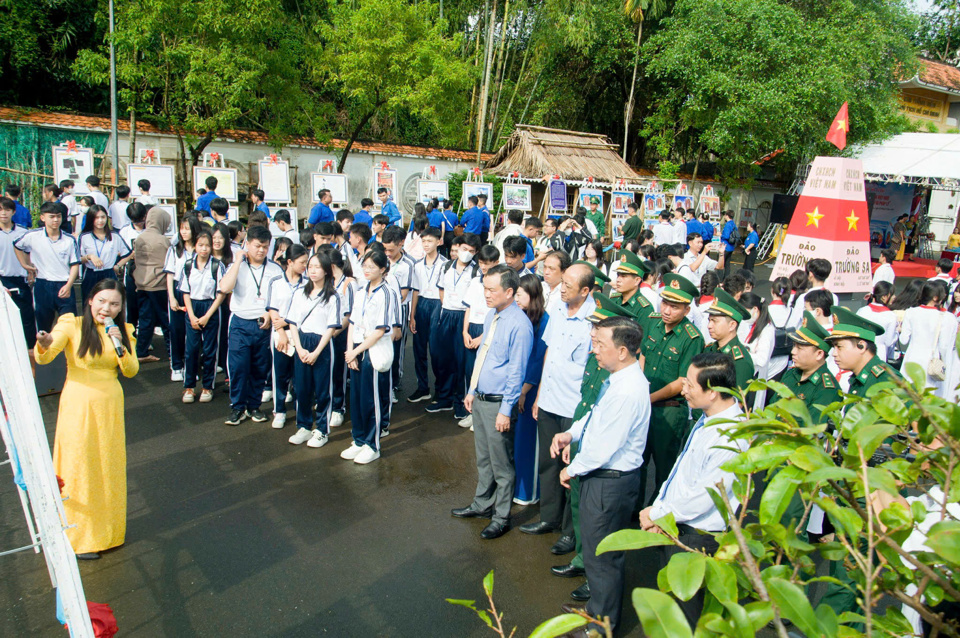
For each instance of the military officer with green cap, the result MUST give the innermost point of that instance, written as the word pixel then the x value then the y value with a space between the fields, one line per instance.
pixel 855 349
pixel 630 274
pixel 600 279
pixel 670 342
pixel 593 378
pixel 726 313
pixel 595 215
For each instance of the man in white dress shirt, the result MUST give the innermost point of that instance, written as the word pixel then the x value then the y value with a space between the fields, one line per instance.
pixel 611 437
pixel 700 466
pixel 696 258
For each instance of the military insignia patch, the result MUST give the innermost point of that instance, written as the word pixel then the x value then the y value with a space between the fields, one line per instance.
pixel 737 353
pixel 876 370
pixel 692 332
pixel 675 284
pixel 828 382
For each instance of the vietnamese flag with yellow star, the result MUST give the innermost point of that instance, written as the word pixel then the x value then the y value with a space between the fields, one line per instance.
pixel 837 135
pixel 830 222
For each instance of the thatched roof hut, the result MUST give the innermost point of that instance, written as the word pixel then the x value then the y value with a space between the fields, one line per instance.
pixel 535 151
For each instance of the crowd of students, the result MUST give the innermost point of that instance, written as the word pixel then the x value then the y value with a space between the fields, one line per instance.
pixel 314 322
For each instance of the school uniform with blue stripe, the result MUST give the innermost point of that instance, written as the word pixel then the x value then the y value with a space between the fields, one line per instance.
pixel 346 290
pixel 369 389
pixel 313 317
pixel 177 319
pixel 448 333
pixel 109 250
pixel 201 285
pixel 426 279
pixel 280 293
pixel 13 276
pixel 53 259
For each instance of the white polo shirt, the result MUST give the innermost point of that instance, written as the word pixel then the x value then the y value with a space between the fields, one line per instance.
pixel 201 284
pixel 475 302
pixel 109 251
pixel 371 311
pixel 129 233
pixel 426 277
pixel 454 285
pixel 280 292
pixel 53 258
pixel 402 272
pixel 118 214
pixel 9 264
pixel 249 300
pixel 314 315
pixel 173 263
pixel 100 199
pixel 347 291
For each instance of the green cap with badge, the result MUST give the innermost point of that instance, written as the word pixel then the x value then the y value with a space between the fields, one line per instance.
pixel 631 264
pixel 599 278
pixel 725 304
pixel 594 200
pixel 811 333
pixel 606 308
pixel 678 289
pixel 849 325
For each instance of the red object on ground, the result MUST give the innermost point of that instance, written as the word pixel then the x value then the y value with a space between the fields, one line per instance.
pixel 102 619
pixel 837 135
pixel 60 484
pixel 923 268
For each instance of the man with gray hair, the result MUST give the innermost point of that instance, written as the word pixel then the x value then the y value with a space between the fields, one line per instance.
pixel 494 389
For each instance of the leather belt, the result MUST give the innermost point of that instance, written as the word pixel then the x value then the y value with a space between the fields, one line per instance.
pixel 610 473
pixel 491 398
pixel 668 403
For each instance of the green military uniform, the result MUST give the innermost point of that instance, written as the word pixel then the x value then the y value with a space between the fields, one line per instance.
pixel 849 325
pixel 725 305
pixel 667 355
pixel 597 217
pixel 593 378
pixel 638 306
pixel 632 227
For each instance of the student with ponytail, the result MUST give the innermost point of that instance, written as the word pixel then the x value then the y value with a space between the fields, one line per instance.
pixel 878 311
pixel 346 288
pixel 280 293
pixel 198 285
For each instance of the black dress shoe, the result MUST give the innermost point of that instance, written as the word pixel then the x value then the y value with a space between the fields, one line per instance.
pixel 469 512
pixel 89 556
pixel 581 593
pixel 567 571
pixel 572 608
pixel 565 545
pixel 494 530
pixel 539 528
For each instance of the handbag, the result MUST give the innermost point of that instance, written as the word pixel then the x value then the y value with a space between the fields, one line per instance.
pixel 381 353
pixel 936 369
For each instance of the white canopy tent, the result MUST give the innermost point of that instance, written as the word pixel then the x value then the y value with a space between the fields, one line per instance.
pixel 924 159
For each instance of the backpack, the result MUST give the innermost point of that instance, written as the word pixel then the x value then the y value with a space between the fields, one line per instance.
pixel 782 344
pixel 214 269
pixel 473 266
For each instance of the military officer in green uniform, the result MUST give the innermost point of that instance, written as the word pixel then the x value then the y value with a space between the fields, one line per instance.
pixel 726 313
pixel 593 378
pixel 630 274
pixel 596 216
pixel 670 342
pixel 854 345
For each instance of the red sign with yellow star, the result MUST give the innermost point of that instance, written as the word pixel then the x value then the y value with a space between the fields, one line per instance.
pixel 830 222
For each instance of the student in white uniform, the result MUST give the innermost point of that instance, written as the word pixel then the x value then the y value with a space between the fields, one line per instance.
pixel 285 226
pixel 202 303
pixel 280 293
pixel 13 276
pixel 425 308
pixel 884 271
pixel 477 311
pixel 818 271
pixel 370 327
pixel 663 232
pixel 780 293
pixel 401 272
pixel 68 199
pixel 248 341
pixel 696 258
pixel 929 332
pixel 314 316
pixel 648 287
pixel 760 340
pixel 93 185
pixel 102 250
pixel 347 289
pixel 144 197
pixel 53 257
pixel 177 256
pixel 118 209
pixel 878 311
pixel 680 234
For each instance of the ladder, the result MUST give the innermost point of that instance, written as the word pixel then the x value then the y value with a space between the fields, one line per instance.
pixel 766 242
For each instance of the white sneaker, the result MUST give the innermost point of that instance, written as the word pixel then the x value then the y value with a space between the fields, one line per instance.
pixel 176 375
pixel 219 370
pixel 367 455
pixel 466 422
pixel 319 439
pixel 471 428
pixel 158 331
pixel 289 397
pixel 351 452
pixel 302 435
pixel 393 396
pixel 336 419
pixel 279 420
pixel 266 396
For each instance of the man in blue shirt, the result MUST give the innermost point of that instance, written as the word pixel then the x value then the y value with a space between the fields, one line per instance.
pixel 730 237
pixel 203 202
pixel 482 205
pixel 472 218
pixel 22 216
pixel 365 214
pixel 388 208
pixel 494 389
pixel 750 246
pixel 256 198
pixel 322 211
pixel 435 217
pixel 693 226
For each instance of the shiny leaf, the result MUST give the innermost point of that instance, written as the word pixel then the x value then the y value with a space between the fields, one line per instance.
pixel 660 615
pixel 558 626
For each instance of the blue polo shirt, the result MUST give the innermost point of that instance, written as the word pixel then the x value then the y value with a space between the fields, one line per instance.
pixel 362 217
pixel 472 220
pixel 262 207
pixel 203 202
pixel 728 229
pixel 21 217
pixel 390 210
pixel 435 218
pixel 752 239
pixel 321 213
pixel 450 220
pixel 530 255
pixel 486 219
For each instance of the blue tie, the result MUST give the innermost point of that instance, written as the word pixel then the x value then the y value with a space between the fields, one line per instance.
pixel 603 390
pixel 686 446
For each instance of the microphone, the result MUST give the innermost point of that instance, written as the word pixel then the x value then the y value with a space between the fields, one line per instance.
pixel 117 345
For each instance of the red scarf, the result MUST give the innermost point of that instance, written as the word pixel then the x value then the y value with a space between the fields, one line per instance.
pixel 878 307
pixel 707 299
pixel 777 302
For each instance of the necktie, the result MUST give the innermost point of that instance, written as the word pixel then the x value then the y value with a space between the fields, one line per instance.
pixel 482 353
pixel 686 446
pixel 603 390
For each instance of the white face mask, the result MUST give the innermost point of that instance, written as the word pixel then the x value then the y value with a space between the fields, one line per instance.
pixel 465 256
pixel 84 209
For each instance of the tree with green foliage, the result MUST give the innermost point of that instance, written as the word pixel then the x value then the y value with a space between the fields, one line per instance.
pixel 746 77
pixel 938 32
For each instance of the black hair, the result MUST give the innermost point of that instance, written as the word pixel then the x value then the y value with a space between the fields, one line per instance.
pixel 144 185
pixel 393 235
pixel 881 289
pixel 781 289
pixel 508 277
pixel 889 254
pixel 259 233
pixel 307 240
pixel 280 245
pixel 471 240
pixel 379 258
pixel 489 253
pixel 563 257
pixel 374 245
pixel 909 296
pixel 534 289
pixel 645 235
pixel 343 214
pixel 382 190
pixel 532 222
pixel 447 204
pixel 93 180
pixel 282 215
pixel 692 236
pixel 365 202
pixel 211 182
pixel 381 219
pixel 932 293
pixel 123 191
pixel 256 192
pixel 734 284
pixel 626 333
pixel 50 208
pixel 515 245
pixel 362 231
pixel 322 192
pixel 292 253
pixel 647 251
pixel 665 214
pixel 430 231
pixel 953 303
pixel 748 276
pixel 597 246
pixel 88 200
pixel 515 216
pixel 945 265
pixel 709 283
pixel 226 254
pixel 8 204
pixel 195 228
pixel 257 218
pixel 819 298
pixel 220 206
pixel 419 209
pixel 652 273
pixel 714 371
pixel 323 228
pixel 66 183
pixel 473 200
pixel 550 220
pixel 329 285
pixel 634 206
pixel 336 258
pixel 13 190
pixel 819 268
pixel 751 300
pixel 91 215
pixel 337 230
pixel 90 341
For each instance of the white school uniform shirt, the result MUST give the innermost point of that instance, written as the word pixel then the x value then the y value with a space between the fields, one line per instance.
pixel 53 258
pixel 402 273
pixel 372 311
pixel 426 277
pixel 884 272
pixel 110 251
pixel 942 276
pixel 100 199
pixel 882 316
pixel 200 284
pixel 129 233
pixel 9 264
pixel 314 315
pixel 292 235
pixel 647 291
pixel 477 309
pixel 779 313
pixel 698 467
pixel 280 292
pixel 347 290
pixel 698 317
pixel 796 314
pixel 118 214
pixel 147 201
pixel 920 342
pixel 680 233
pixel 249 300
pixel 663 233
pixel 173 264
pixel 70 201
pixel 696 275
pixel 454 285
